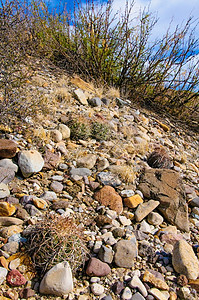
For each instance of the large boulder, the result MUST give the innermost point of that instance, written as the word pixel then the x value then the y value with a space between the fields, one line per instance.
pixel 166 187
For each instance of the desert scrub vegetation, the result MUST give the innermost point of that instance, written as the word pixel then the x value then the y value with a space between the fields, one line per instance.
pixel 55 239
pixel 110 49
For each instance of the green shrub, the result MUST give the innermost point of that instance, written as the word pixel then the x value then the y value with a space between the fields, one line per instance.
pixel 79 129
pixel 100 131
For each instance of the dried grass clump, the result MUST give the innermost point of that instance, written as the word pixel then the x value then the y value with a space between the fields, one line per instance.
pixel 112 93
pixel 126 173
pixel 55 239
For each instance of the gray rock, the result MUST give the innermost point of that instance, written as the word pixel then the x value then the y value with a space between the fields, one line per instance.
pixel 49 196
pixel 166 187
pixel 96 101
pixel 105 101
pixel 184 260
pixel 56 186
pixel 127 193
pixel 108 178
pixel 30 161
pixel 137 296
pixel 8 164
pixel 4 191
pixel 58 280
pixel 65 131
pixel 125 252
pixel 81 172
pixel 3 274
pixel 106 254
pixel 155 219
pixel 144 209
pixel 194 202
pixel 6 175
pixel 32 210
pixel 11 247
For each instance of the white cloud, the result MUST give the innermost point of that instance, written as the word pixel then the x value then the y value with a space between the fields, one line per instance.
pixel 176 10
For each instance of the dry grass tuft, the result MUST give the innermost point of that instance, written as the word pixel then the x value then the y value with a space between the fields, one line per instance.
pixel 126 173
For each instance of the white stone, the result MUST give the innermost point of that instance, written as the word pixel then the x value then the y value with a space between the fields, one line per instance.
pixel 8 164
pixel 155 218
pixel 81 96
pixel 3 274
pixel 127 193
pixel 58 280
pixel 124 221
pixel 4 190
pixel 30 161
pixel 145 227
pixel 65 131
pixel 49 196
pixel 97 289
pixel 97 246
pixel 126 295
pixel 137 283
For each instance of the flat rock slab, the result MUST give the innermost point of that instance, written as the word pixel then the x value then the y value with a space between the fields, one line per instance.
pixel 8 148
pixel 6 175
pixel 166 187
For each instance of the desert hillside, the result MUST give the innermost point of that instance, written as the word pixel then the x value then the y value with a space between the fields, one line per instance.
pixel 99 197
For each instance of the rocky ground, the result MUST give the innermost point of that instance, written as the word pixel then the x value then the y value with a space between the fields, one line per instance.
pixel 130 182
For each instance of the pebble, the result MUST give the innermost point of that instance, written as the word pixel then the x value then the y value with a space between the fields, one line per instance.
pixel 144 209
pixel 97 268
pixel 49 196
pixel 65 131
pixel 4 191
pixel 127 193
pixel 57 187
pixel 6 175
pixel 97 289
pixel 155 219
pixel 80 172
pixel 7 221
pixel 11 247
pixel 3 274
pixel 127 294
pixel 106 254
pixel 137 283
pixel 138 296
pixel 124 221
pixel 15 278
pixel 133 201
pixel 158 294
pixel 9 231
pixel 88 161
pixel 7 209
pixel 56 135
pixel 108 179
pixel 107 196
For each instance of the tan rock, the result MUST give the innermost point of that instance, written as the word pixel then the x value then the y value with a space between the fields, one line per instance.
pixel 40 203
pixel 184 260
pixel 159 295
pixel 133 201
pixel 144 209
pixel 7 209
pixel 3 262
pixel 7 221
pixel 194 284
pixel 157 282
pixel 6 232
pixel 173 296
pixel 107 196
pixel 87 161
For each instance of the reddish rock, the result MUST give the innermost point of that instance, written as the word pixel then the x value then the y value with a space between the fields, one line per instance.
pixel 51 160
pixel 15 278
pixel 107 196
pixel 171 238
pixel 97 268
pixel 8 148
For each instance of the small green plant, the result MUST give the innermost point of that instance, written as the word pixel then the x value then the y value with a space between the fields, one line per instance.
pixel 100 131
pixel 55 239
pixel 79 129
